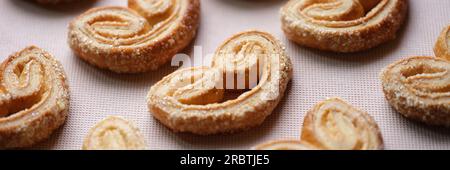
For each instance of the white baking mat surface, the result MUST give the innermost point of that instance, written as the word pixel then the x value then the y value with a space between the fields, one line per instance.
pixel 96 94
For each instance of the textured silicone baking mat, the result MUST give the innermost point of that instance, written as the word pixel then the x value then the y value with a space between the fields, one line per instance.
pixel 96 94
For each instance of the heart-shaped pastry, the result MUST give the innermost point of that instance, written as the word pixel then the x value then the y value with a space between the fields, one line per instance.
pixel 192 99
pixel 334 125
pixel 137 39
pixel 342 25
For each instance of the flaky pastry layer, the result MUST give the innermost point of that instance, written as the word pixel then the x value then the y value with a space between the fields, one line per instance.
pixel 342 25
pixel 114 133
pixel 336 125
pixel 191 99
pixel 34 98
pixel 333 125
pixel 419 89
pixel 140 38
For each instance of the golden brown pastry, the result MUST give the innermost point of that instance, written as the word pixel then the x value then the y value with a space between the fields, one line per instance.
pixel 419 89
pixel 114 133
pixel 442 48
pixel 342 25
pixel 286 145
pixel 137 39
pixel 192 99
pixel 336 125
pixel 333 125
pixel 34 98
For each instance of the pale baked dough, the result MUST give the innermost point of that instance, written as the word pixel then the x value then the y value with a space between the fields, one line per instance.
pixel 442 47
pixel 333 125
pixel 191 99
pixel 419 89
pixel 285 145
pixel 137 39
pixel 114 133
pixel 342 25
pixel 34 98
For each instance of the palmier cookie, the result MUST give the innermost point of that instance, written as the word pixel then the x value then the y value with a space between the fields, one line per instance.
pixel 34 98
pixel 342 25
pixel 192 99
pixel 419 89
pixel 114 133
pixel 137 39
pixel 442 48
pixel 334 125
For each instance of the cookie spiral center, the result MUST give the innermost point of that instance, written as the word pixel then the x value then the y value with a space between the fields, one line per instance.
pixel 338 128
pixel 155 11
pixel 114 138
pixel 143 21
pixel 425 79
pixel 338 13
pixel 338 125
pixel 197 87
pixel 22 85
pixel 243 61
pixel 121 27
pixel 338 10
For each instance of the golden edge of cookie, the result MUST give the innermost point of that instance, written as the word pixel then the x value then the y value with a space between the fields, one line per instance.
pixel 285 145
pixel 140 144
pixel 441 48
pixel 346 41
pixel 308 134
pixel 142 59
pixel 42 127
pixel 410 106
pixel 210 123
pixel 308 139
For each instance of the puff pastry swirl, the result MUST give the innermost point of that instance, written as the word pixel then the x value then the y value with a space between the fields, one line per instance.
pixel 137 39
pixel 419 88
pixel 34 98
pixel 342 25
pixel 114 133
pixel 442 48
pixel 191 100
pixel 334 125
